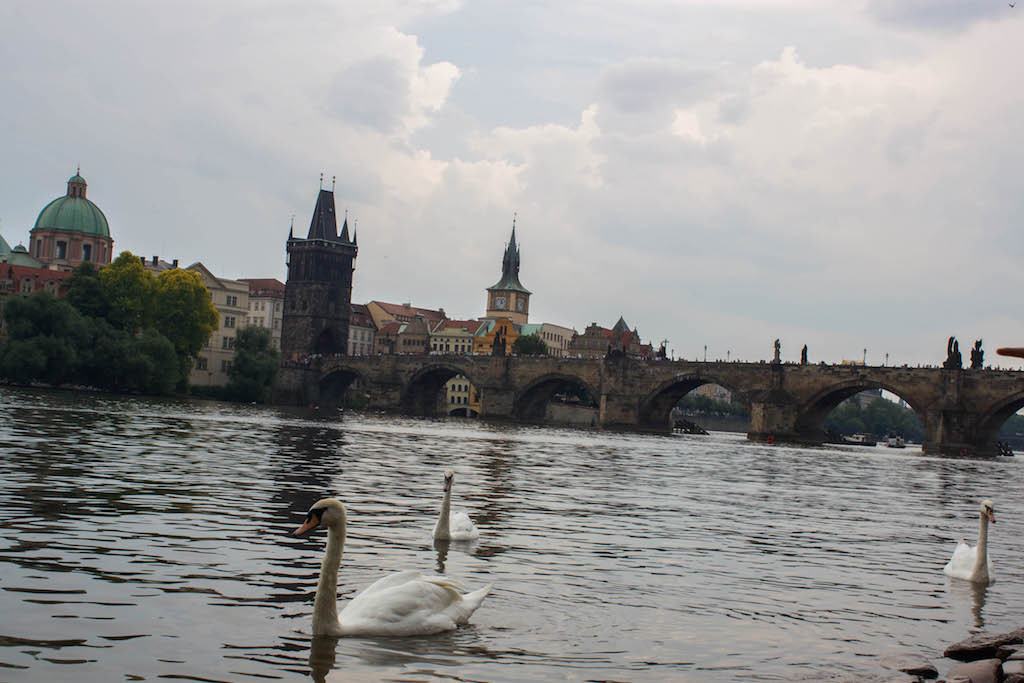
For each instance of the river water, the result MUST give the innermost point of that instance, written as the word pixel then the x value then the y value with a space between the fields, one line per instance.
pixel 146 539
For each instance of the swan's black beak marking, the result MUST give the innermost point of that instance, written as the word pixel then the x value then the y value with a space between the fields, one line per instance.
pixel 311 523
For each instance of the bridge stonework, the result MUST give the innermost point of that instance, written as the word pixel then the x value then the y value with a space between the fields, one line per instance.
pixel 962 410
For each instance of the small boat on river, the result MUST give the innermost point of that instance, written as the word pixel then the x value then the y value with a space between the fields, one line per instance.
pixel 860 439
pixel 895 440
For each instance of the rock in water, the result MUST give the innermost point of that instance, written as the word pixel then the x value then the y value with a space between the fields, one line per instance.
pixel 909 663
pixel 983 645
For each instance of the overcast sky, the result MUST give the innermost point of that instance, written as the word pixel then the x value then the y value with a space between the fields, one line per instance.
pixel 845 175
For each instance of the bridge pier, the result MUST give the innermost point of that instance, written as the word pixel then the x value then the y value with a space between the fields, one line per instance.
pixel 775 415
pixel 622 411
pixel 954 431
pixel 496 402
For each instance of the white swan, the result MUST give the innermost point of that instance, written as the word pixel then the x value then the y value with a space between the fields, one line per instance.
pixel 457 527
pixel 401 604
pixel 973 564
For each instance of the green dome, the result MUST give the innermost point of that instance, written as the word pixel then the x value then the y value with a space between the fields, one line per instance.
pixel 73 214
pixel 77 179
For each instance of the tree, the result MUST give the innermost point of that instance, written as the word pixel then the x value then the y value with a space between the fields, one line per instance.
pixel 129 288
pixel 85 291
pixel 183 312
pixel 44 335
pixel 254 370
pixel 530 345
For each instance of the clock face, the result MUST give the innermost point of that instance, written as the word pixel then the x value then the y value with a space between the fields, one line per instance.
pixel 499 302
pixel 520 304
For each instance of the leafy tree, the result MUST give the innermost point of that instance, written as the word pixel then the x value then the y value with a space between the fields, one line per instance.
pixel 183 312
pixel 44 335
pixel 254 370
pixel 84 290
pixel 129 288
pixel 530 345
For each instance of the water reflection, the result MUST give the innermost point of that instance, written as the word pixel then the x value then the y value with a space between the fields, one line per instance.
pixel 969 593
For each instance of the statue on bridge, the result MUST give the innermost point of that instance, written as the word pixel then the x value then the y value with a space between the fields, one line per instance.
pixel 803 355
pixel 977 356
pixel 953 357
pixel 498 347
pixel 778 351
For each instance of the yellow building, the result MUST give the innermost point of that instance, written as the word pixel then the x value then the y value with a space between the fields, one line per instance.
pixel 453 337
pixel 483 341
pixel 231 299
pixel 461 397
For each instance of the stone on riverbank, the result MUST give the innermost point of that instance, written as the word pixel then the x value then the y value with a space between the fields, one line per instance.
pixel 983 645
pixel 909 663
pixel 981 671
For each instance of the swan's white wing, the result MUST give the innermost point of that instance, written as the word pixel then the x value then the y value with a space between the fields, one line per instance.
pixel 461 528
pixel 961 565
pixel 408 603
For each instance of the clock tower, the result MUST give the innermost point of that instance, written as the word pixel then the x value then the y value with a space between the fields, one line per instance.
pixel 508 298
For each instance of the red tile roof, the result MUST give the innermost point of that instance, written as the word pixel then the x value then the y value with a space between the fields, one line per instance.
pixel 266 286
pixel 410 311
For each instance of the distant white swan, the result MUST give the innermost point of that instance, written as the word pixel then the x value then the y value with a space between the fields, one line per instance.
pixel 973 564
pixel 401 604
pixel 457 527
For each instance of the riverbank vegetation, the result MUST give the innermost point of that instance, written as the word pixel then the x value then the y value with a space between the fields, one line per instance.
pixel 118 329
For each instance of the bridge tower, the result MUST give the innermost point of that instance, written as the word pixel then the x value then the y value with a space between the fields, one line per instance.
pixel 508 298
pixel 318 288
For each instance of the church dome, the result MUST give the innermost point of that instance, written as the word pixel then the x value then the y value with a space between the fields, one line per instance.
pixel 73 213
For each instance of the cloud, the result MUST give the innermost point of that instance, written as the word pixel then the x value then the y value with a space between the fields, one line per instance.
pixel 934 15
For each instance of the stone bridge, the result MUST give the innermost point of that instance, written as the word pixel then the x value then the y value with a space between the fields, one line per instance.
pixel 960 409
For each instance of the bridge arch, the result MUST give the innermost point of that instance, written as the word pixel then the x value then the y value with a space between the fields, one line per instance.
pixel 335 384
pixel 812 413
pixel 531 401
pixel 993 419
pixel 420 396
pixel 656 407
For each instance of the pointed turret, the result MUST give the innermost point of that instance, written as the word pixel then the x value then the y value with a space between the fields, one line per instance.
pixel 344 230
pixel 324 225
pixel 510 267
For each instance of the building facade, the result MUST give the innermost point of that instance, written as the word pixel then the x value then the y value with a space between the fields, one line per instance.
pixel 454 337
pixel 598 342
pixel 318 288
pixel 382 312
pixel 461 397
pixel 557 338
pixel 508 298
pixel 503 328
pixel 266 306
pixel 361 332
pixel 231 299
pixel 71 229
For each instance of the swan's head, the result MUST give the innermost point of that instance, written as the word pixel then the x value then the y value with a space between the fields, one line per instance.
pixel 449 477
pixel 988 508
pixel 327 512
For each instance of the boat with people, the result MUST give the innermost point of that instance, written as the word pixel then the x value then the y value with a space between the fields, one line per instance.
pixel 860 439
pixel 894 440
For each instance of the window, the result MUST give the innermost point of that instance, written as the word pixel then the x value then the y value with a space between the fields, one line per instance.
pixel 225 365
pixel 39 247
pixel 276 324
pixel 62 249
pixel 227 343
pixel 229 321
pixel 87 252
pixel 201 363
pixel 232 300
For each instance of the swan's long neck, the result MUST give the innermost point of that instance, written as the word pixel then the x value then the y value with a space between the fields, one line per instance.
pixel 441 530
pixel 325 606
pixel 981 556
